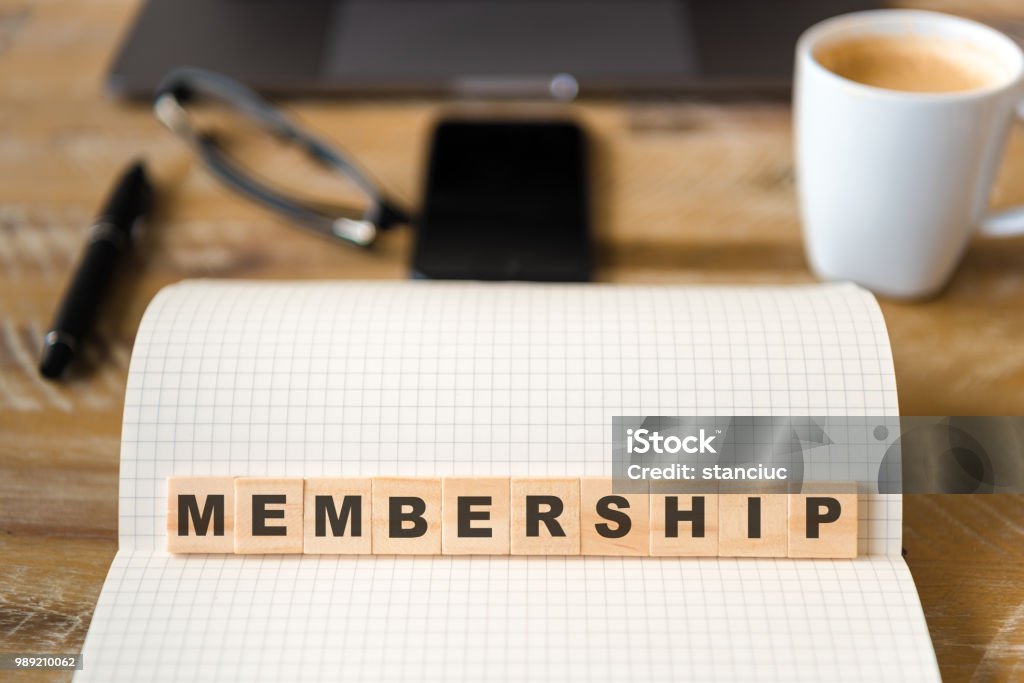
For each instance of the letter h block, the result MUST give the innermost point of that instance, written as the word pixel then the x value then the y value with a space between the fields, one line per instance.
pixel 684 524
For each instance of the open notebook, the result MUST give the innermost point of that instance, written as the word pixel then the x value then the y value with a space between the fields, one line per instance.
pixel 363 379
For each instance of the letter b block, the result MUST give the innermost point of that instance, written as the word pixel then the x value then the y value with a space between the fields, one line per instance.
pixel 406 516
pixel 823 521
pixel 200 515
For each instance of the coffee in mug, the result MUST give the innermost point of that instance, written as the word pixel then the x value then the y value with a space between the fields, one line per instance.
pixel 912 63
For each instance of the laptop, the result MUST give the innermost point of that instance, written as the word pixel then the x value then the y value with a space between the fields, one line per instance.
pixel 487 48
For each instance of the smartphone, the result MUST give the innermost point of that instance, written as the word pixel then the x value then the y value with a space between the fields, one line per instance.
pixel 505 200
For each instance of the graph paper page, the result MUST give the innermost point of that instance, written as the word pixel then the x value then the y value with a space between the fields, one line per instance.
pixel 364 379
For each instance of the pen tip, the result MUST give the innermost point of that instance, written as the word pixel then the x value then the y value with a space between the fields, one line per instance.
pixel 56 357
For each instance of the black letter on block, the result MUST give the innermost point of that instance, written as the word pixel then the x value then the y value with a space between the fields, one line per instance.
pixel 467 515
pixel 260 514
pixel 351 508
pixel 397 517
pixel 534 516
pixel 605 510
pixel 753 517
pixel 815 518
pixel 189 506
pixel 673 515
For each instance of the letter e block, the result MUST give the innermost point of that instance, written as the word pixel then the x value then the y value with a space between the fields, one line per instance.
pixel 545 516
pixel 268 515
pixel 406 516
pixel 610 523
pixel 684 525
pixel 753 525
pixel 823 521
pixel 475 516
pixel 337 516
pixel 200 515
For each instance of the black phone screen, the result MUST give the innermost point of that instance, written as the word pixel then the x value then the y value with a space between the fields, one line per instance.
pixel 505 201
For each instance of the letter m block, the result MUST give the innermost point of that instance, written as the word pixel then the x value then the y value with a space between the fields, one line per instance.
pixel 200 514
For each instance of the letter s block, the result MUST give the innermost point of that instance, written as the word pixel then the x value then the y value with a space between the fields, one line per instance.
pixel 200 515
pixel 406 516
pixel 268 515
pixel 613 524
pixel 823 521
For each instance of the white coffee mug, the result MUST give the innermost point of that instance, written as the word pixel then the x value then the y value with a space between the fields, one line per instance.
pixel 892 183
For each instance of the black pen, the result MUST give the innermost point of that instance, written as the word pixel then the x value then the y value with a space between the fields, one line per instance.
pixel 110 240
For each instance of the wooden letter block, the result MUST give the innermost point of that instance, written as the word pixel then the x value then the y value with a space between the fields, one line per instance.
pixel 200 515
pixel 337 517
pixel 753 525
pixel 823 521
pixel 545 516
pixel 610 523
pixel 268 515
pixel 684 524
pixel 406 516
pixel 475 516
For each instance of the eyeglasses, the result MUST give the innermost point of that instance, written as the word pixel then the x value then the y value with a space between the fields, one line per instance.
pixel 185 87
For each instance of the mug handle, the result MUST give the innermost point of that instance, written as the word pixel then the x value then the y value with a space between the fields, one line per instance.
pixel 1008 222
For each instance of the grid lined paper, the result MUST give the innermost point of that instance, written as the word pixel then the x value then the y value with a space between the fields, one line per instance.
pixel 362 379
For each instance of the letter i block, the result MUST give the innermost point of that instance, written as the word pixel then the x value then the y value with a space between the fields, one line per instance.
pixel 337 516
pixel 545 516
pixel 268 515
pixel 475 516
pixel 684 524
pixel 610 523
pixel 200 515
pixel 753 525
pixel 823 521
pixel 406 516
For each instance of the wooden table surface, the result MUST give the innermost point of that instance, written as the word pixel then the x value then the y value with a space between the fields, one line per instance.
pixel 685 192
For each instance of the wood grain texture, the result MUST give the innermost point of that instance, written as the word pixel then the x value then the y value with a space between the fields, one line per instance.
pixel 685 192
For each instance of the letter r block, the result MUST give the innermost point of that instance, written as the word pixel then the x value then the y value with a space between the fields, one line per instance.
pixel 475 516
pixel 406 516
pixel 268 515
pixel 545 516
pixel 200 515
pixel 337 516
